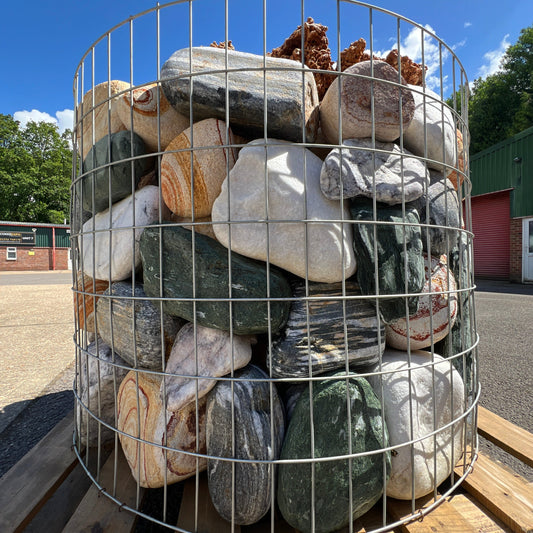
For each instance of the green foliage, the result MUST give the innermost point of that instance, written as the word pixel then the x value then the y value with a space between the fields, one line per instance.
pixel 501 105
pixel 35 172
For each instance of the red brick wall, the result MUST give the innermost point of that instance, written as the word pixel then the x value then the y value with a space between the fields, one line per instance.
pixel 42 259
pixel 515 273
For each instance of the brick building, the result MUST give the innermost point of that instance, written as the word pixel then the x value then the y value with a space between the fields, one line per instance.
pixel 29 246
pixel 502 209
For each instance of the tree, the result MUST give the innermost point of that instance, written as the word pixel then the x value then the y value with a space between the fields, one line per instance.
pixel 35 172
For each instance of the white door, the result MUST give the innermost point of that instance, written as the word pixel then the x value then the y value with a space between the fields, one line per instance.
pixel 527 240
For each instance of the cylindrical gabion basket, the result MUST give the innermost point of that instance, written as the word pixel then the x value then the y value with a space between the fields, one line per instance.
pixel 273 281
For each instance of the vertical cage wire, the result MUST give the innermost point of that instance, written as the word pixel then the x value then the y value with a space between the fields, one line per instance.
pixel 310 415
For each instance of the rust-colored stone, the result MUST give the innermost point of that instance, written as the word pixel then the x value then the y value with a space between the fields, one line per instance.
pixel 222 44
pixel 317 54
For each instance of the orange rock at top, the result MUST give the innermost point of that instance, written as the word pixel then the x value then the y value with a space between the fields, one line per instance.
pixel 222 44
pixel 317 54
pixel 196 155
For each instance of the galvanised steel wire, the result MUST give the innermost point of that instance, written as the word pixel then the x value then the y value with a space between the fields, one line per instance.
pixel 466 358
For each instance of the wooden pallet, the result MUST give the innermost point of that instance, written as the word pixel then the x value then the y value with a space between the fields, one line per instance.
pixel 49 491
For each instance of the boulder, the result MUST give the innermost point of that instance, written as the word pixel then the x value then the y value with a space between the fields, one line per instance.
pixel 141 415
pixel 430 393
pixel 389 175
pixel 99 106
pixel 101 372
pixel 187 161
pixel 113 261
pixel 256 434
pixel 357 95
pixel 394 254
pixel 437 310
pixel 321 250
pixel 206 269
pixel 204 353
pixel 241 89
pixel 334 429
pixel 315 339
pixel 85 291
pixel 112 153
pixel 146 111
pixel 133 326
pixel 432 132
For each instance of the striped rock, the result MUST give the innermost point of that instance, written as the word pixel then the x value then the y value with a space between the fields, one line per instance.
pixel 209 168
pixel 133 326
pixel 290 96
pixel 138 400
pixel 205 352
pixel 85 299
pixel 103 111
pixel 257 434
pixel 201 225
pixel 421 394
pixel 436 313
pixel 138 110
pixel 355 100
pixel 314 336
pixel 101 372
pixel 98 262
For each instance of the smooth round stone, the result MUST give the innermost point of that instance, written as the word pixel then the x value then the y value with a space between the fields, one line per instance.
pixel 141 415
pixel 355 98
pixel 133 326
pixel 321 251
pixel 256 410
pixel 314 339
pixel 207 268
pixel 113 149
pixel 99 106
pixel 437 310
pixel 101 372
pixel 139 110
pixel 291 98
pixel 391 176
pixel 395 250
pixel 439 206
pixel 333 426
pixel 432 132
pixel 113 261
pixel 204 353
pixel 209 168
pixel 425 394
pixel 85 299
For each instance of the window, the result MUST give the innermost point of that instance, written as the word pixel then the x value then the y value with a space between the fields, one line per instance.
pixel 11 254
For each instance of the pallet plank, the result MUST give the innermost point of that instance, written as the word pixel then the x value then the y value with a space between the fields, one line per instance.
pixel 97 512
pixel 506 435
pixel 443 518
pixel 208 518
pixel 28 485
pixel 505 494
pixel 474 513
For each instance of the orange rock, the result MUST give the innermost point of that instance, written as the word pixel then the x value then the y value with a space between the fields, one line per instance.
pixel 209 167
pixel 455 177
pixel 85 299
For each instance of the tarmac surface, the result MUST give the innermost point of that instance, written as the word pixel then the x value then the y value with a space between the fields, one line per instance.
pixel 37 358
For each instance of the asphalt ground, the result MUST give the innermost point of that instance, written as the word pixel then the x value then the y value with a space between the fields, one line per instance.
pixel 37 358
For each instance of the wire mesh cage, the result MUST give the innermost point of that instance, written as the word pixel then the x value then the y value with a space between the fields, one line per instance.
pixel 273 283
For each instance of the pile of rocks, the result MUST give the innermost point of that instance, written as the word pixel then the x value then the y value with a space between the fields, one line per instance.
pixel 302 237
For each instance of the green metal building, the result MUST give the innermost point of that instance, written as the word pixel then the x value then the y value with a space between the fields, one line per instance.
pixel 502 209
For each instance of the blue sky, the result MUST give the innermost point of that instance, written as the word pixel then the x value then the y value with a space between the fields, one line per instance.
pixel 42 43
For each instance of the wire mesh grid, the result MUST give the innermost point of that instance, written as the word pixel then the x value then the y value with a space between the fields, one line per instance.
pixel 273 280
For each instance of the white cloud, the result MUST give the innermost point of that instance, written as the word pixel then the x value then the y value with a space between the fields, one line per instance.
pixel 63 119
pixel 467 24
pixel 493 59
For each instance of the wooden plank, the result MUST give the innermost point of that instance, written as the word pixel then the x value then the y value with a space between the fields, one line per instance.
pixel 508 436
pixel 508 496
pixel 476 514
pixel 208 518
pixel 97 512
pixel 442 518
pixel 27 485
